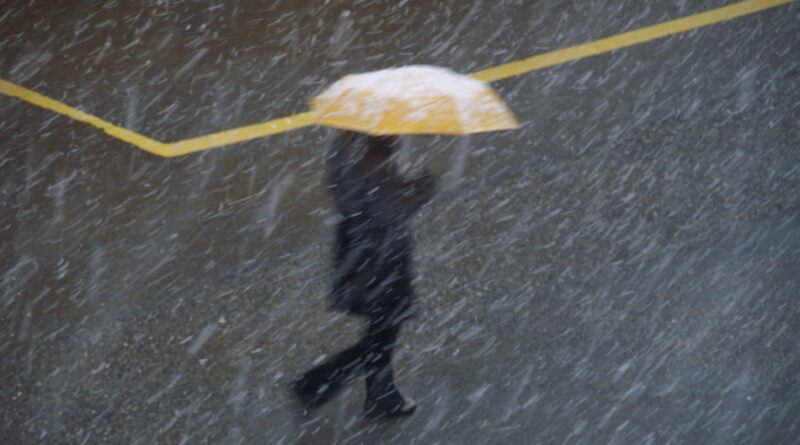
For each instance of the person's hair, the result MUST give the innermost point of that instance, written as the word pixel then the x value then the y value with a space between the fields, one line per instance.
pixel 384 143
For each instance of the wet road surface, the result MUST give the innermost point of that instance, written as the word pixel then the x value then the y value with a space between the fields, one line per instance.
pixel 623 269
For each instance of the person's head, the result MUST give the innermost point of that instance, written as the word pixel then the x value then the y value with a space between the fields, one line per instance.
pixel 387 144
pixel 348 136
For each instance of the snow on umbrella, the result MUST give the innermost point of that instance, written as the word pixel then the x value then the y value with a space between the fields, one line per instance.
pixel 412 100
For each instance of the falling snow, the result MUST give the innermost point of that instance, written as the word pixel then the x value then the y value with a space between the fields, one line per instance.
pixel 621 269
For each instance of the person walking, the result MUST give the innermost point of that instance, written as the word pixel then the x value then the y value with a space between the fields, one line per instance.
pixel 372 275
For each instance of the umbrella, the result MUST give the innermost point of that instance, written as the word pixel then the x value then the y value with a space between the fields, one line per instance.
pixel 412 100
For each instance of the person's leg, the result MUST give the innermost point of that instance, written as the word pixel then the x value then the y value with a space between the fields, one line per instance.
pixel 321 383
pixel 383 397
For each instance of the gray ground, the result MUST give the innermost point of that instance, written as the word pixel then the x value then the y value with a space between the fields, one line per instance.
pixel 623 269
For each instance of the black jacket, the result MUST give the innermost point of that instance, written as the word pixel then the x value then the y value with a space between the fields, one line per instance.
pixel 372 252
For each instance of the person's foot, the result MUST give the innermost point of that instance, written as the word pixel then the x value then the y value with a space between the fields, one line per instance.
pixel 312 392
pixel 389 408
pixel 322 383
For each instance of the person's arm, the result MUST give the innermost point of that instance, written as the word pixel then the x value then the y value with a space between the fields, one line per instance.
pixel 419 191
pixel 402 198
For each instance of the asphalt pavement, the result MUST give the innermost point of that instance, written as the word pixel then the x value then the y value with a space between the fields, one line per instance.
pixel 623 269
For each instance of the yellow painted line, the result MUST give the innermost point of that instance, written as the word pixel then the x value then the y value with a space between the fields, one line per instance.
pixel 489 75
pixel 143 142
pixel 626 39
pixel 239 134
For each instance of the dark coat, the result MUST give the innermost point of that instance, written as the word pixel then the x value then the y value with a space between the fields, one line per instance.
pixel 372 252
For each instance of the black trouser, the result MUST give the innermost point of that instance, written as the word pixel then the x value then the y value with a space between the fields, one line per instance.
pixel 371 355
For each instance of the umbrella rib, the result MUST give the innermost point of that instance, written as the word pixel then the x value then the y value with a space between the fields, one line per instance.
pixel 459 115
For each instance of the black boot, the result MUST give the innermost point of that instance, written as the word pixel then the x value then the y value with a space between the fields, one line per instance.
pixel 322 383
pixel 380 409
pixel 383 397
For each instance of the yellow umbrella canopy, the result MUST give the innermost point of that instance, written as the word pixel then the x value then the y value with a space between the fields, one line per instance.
pixel 412 100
